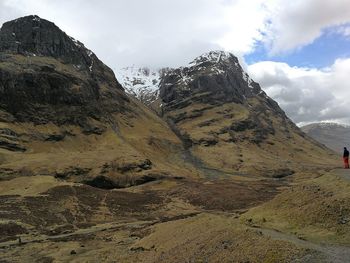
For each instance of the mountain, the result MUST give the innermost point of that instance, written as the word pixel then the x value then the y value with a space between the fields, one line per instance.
pixel 227 121
pixel 209 150
pixel 63 113
pixel 334 136
pixel 46 75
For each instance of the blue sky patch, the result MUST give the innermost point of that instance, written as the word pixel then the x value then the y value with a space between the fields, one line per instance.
pixel 330 46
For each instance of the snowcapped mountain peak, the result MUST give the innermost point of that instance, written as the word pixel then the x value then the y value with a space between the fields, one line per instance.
pixel 219 62
pixel 144 83
pixel 214 57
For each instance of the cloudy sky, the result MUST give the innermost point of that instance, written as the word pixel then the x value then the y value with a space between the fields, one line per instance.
pixel 299 51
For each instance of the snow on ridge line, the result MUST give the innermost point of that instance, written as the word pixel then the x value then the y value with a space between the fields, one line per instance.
pixel 330 124
pixel 77 43
pixel 216 56
pixel 141 82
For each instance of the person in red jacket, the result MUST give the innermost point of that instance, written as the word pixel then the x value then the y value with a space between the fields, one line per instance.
pixel 346 158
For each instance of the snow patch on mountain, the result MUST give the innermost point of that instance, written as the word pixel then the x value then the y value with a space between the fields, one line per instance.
pixel 212 56
pixel 332 124
pixel 219 61
pixel 140 82
pixel 143 82
pixel 247 79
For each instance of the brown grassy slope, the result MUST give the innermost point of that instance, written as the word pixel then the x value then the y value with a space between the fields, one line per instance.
pixel 316 208
pixel 116 145
pixel 212 238
pixel 154 222
pixel 265 144
pixel 137 139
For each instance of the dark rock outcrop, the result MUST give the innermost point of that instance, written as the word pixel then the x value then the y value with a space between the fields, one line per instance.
pixel 9 140
pixel 47 76
pixel 11 146
pixel 72 172
pixel 108 182
pixel 213 79
pixel 127 167
pixel 209 82
pixel 279 173
pixel 34 36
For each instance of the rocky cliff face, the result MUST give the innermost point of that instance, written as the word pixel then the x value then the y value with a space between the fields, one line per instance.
pixel 32 35
pixel 217 73
pixel 214 78
pixel 47 76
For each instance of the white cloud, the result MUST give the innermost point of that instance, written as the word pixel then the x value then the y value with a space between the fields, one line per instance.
pixel 153 32
pixel 306 94
pixel 297 23
pixel 246 23
pixel 170 33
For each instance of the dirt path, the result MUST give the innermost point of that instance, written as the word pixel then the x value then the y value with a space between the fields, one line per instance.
pixel 94 229
pixel 97 228
pixel 343 173
pixel 331 254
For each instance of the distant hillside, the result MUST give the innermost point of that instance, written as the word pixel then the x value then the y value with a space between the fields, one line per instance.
pixel 333 135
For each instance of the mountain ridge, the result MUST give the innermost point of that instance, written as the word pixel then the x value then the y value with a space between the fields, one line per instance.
pixel 218 110
pixel 334 135
pixel 56 94
pixel 210 108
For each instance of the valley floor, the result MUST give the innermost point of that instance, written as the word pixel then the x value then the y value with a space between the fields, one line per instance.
pixel 304 218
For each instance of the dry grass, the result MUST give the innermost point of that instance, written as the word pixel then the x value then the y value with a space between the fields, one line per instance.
pixel 211 238
pixel 279 150
pixel 121 179
pixel 24 171
pixel 143 136
pixel 317 209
